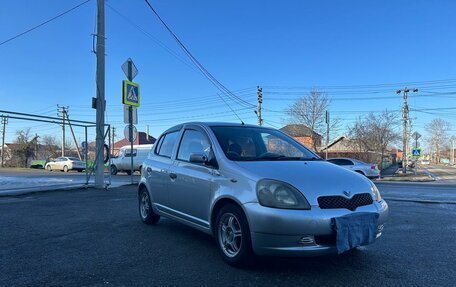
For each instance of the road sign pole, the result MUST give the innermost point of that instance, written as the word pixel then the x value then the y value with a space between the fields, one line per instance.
pixel 85 156
pixel 130 121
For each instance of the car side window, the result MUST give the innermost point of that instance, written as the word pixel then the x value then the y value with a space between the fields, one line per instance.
pixel 167 144
pixel 193 142
pixel 158 144
pixel 346 162
pixel 128 152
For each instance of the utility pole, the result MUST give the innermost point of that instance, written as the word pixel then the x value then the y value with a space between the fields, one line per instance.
pixel 260 101
pixel 100 100
pixel 4 122
pixel 72 133
pixel 405 111
pixel 62 112
pixel 327 134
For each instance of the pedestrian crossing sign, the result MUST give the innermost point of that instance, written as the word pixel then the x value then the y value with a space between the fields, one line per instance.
pixel 130 93
pixel 416 152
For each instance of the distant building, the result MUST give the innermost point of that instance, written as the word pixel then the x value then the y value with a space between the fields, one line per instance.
pixel 303 134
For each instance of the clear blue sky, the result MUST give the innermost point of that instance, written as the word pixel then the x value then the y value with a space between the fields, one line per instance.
pixel 243 44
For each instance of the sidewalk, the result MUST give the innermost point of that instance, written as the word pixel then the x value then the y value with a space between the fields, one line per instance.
pixel 393 173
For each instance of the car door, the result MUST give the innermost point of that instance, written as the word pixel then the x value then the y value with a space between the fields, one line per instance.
pixel 190 183
pixel 58 163
pixel 157 169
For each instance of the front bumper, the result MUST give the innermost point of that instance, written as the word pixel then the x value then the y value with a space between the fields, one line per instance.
pixel 300 232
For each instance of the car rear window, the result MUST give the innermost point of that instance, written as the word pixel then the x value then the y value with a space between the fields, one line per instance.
pixel 166 147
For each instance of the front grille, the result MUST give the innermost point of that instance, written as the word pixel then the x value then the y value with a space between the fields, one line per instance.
pixel 333 202
pixel 326 239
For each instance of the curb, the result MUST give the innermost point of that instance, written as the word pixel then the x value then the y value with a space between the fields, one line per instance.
pixel 65 187
pixel 23 191
pixel 429 201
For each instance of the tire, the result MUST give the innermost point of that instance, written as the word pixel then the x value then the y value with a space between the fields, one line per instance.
pixel 128 172
pixel 232 235
pixel 146 213
pixel 65 169
pixel 79 170
pixel 113 169
pixel 48 168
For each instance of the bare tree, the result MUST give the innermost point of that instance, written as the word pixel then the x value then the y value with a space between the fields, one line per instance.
pixel 51 146
pixel 375 133
pixel 310 111
pixel 438 130
pixel 24 148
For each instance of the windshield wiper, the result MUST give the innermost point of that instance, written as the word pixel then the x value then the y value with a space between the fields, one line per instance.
pixel 311 158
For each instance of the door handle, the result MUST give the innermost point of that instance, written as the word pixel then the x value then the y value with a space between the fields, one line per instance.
pixel 172 175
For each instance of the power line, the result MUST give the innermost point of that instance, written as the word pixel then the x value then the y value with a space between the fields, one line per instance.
pixel 142 30
pixel 329 87
pixel 204 71
pixel 44 23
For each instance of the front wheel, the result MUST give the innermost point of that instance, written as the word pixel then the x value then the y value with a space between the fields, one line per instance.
pixel 233 236
pixel 48 168
pixel 147 214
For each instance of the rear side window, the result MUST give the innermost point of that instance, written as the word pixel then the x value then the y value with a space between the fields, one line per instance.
pixel 167 144
pixel 345 162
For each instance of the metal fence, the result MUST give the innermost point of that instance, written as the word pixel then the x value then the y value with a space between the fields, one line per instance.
pixel 28 151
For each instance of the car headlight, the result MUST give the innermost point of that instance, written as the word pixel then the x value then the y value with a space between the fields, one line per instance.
pixel 376 193
pixel 277 194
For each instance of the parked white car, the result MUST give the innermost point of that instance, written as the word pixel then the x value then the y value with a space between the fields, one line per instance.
pixel 123 161
pixel 369 170
pixel 425 162
pixel 65 164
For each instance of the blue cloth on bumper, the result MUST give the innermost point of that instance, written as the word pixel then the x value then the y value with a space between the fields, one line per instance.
pixel 355 229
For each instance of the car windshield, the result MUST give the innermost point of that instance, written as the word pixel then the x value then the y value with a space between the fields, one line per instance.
pixel 256 144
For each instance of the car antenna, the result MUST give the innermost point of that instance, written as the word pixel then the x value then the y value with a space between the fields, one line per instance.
pixel 242 122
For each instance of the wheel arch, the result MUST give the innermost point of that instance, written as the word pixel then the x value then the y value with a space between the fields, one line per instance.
pixel 219 203
pixel 141 186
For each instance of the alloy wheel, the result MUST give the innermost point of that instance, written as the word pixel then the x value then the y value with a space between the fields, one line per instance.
pixel 230 234
pixel 145 207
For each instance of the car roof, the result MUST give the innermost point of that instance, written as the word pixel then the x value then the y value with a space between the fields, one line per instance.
pixel 212 124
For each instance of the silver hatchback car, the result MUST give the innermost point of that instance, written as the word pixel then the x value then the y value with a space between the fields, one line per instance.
pixel 257 191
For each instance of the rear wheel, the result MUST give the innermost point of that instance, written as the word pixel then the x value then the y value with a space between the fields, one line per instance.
pixel 65 168
pixel 233 236
pixel 147 214
pixel 113 169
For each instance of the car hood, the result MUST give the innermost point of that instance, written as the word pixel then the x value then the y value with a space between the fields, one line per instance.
pixel 312 178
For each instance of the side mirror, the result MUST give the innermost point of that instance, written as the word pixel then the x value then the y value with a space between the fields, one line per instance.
pixel 198 158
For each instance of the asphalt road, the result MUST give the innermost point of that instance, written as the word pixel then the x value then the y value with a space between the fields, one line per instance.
pixel 95 238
